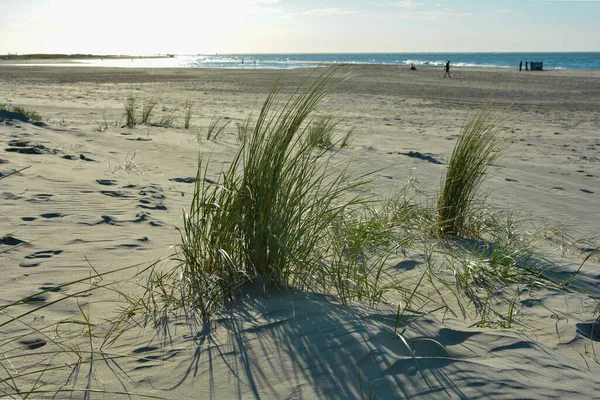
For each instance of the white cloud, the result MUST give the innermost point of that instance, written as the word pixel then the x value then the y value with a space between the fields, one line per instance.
pixel 404 4
pixel 431 15
pixel 321 12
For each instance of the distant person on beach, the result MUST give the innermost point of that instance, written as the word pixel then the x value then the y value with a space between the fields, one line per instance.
pixel 526 65
pixel 447 68
pixel 412 67
pixel 521 66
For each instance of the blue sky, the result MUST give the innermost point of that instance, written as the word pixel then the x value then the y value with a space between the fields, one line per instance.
pixel 276 26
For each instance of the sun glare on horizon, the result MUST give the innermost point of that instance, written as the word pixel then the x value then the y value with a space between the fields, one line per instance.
pixel 290 26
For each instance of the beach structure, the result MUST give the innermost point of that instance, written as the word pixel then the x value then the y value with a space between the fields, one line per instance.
pixel 536 66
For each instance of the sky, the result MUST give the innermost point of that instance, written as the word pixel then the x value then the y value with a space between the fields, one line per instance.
pixel 147 27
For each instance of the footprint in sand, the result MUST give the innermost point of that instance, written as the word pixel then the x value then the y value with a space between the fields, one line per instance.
pixel 586 191
pixel 192 179
pixel 41 298
pixel 407 265
pixel 32 344
pixel 149 353
pixel 25 147
pixel 43 254
pixel 85 158
pixel 145 349
pixel 150 205
pixel 9 240
pixel 115 193
pixel 50 287
pixel 154 198
pixel 52 215
pixel 129 245
pixel 37 256
pixel 145 217
pixel 183 180
pixel 106 182
pixel 41 197
pixel 421 156
pixel 106 219
pixel 10 196
pixel 81 157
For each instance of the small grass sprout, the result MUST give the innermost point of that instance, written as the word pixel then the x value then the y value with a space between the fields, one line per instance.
pixel 188 114
pixel 147 110
pixel 348 137
pixel 216 126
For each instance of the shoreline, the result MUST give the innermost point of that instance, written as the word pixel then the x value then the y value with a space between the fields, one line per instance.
pixel 552 61
pixel 79 63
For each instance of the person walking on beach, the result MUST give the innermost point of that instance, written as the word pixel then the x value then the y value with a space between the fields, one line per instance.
pixel 521 66
pixel 447 68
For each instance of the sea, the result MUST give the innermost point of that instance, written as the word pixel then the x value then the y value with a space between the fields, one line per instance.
pixel 551 61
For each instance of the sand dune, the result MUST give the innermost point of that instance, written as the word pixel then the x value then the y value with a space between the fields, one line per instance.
pixel 97 196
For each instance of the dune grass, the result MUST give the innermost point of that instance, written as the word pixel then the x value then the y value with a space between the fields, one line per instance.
pixel 188 114
pixel 478 148
pixel 269 216
pixel 284 214
pixel 147 110
pixel 348 137
pixel 216 127
pixel 276 217
pixel 147 113
pixel 321 130
pixel 130 112
pixel 31 114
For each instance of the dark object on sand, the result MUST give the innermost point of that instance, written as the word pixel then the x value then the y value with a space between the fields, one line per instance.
pixel 25 147
pixel 536 66
pixel 416 154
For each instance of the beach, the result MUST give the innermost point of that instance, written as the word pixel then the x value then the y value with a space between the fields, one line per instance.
pixel 97 196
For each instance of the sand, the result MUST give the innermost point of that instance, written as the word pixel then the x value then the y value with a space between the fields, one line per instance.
pixel 100 196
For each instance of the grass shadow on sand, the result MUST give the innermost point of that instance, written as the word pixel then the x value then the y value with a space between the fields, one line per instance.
pixel 311 346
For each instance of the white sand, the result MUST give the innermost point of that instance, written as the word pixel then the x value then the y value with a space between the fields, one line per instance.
pixel 115 204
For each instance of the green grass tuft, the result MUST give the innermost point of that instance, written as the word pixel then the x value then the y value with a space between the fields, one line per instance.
pixel 274 218
pixel 320 132
pixel 147 110
pixel 31 114
pixel 130 111
pixel 215 128
pixel 478 147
